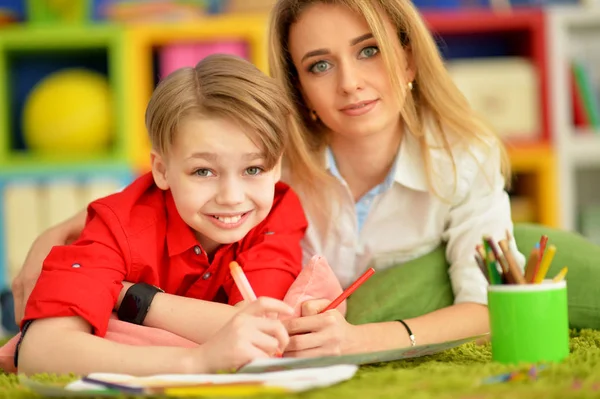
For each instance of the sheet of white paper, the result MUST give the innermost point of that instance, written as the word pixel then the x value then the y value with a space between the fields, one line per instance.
pixel 289 380
pixel 277 364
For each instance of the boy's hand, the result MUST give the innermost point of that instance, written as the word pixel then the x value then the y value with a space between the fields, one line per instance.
pixel 248 336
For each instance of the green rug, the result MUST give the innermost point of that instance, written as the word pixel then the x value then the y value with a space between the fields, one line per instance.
pixel 457 373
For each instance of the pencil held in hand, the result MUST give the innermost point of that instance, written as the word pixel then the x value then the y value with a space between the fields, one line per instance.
pixel 242 282
pixel 337 301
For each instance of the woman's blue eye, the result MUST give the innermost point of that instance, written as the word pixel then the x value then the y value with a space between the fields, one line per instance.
pixel 253 171
pixel 369 52
pixel 319 67
pixel 203 172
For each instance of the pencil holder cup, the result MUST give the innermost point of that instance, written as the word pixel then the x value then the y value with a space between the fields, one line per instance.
pixel 529 323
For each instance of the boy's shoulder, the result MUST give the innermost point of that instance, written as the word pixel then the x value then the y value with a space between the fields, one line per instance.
pixel 137 206
pixel 287 209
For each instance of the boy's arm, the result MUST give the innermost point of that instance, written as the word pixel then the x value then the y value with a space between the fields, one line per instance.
pixel 172 313
pixel 61 234
pixel 65 345
pixel 84 278
pixel 272 256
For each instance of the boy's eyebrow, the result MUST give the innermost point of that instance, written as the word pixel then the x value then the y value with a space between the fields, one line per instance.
pixel 209 156
pixel 253 156
pixel 324 51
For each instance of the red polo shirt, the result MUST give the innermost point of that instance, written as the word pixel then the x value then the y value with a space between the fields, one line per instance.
pixel 137 235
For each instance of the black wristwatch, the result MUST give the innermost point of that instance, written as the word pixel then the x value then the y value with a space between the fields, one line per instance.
pixel 136 303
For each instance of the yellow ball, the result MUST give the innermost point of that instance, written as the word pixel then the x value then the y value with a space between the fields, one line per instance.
pixel 70 111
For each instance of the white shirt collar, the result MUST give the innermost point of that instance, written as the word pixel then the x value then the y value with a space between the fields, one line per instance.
pixel 410 167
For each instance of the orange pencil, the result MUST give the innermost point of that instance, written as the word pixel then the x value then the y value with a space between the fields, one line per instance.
pixel 336 302
pixel 242 282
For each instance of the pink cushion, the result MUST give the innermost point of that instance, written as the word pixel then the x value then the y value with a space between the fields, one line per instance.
pixel 315 281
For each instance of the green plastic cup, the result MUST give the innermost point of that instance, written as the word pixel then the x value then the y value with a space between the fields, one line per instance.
pixel 529 323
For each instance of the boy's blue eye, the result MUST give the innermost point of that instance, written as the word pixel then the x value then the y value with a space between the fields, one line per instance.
pixel 369 52
pixel 253 171
pixel 203 172
pixel 319 67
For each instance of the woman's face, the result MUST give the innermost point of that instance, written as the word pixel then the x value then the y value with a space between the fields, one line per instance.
pixel 341 72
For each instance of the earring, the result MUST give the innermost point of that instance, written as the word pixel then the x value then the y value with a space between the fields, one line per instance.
pixel 410 86
pixel 313 115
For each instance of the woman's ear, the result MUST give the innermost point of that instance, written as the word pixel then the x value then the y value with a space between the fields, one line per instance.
pixel 159 170
pixel 410 71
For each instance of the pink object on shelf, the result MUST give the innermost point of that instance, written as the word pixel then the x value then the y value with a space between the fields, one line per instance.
pixel 176 56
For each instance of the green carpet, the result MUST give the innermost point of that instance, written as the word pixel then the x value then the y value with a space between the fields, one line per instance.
pixel 457 373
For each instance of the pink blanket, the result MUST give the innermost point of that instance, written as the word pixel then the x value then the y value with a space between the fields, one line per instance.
pixel 315 281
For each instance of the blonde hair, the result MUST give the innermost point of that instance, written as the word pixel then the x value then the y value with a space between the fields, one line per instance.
pixel 231 88
pixel 434 93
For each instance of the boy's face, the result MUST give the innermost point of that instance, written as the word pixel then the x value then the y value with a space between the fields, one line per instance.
pixel 217 178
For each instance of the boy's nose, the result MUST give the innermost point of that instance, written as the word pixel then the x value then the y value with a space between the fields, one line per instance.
pixel 230 192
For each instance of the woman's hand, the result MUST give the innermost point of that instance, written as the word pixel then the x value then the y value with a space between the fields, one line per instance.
pixel 314 334
pixel 248 336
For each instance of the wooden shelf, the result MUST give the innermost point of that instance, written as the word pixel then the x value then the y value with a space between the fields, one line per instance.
pixel 539 160
pixel 483 20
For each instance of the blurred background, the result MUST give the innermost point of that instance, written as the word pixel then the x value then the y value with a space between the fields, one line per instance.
pixel 76 75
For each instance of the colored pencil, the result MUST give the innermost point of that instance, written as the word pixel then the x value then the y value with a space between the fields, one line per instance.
pixel 540 274
pixel 513 267
pixel 241 281
pixel 561 275
pixel 348 291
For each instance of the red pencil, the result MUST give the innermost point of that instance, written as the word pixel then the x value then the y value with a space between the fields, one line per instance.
pixel 337 301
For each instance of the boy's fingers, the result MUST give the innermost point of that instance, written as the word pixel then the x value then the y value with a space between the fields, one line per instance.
pixel 263 306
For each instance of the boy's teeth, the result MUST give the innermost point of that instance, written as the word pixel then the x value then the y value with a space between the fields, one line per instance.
pixel 229 219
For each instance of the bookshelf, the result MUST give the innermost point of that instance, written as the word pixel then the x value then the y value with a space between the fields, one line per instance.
pixel 572 32
pixel 484 34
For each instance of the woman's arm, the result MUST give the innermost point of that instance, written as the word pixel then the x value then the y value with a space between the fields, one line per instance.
pixel 60 234
pixel 65 345
pixel 330 334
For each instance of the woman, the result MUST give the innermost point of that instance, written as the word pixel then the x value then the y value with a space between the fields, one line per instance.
pixel 411 166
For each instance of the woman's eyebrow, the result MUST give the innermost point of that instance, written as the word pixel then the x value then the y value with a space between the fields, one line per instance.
pixel 324 51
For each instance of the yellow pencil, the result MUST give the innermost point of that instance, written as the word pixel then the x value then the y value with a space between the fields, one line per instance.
pixel 561 275
pixel 224 390
pixel 545 264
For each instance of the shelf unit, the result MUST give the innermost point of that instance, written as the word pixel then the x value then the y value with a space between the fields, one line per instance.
pixel 484 33
pixel 143 40
pixel 577 150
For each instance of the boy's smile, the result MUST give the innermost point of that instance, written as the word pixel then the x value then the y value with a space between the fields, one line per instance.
pixel 229 220
pixel 218 179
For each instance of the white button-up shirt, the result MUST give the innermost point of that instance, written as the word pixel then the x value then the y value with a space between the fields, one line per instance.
pixel 409 220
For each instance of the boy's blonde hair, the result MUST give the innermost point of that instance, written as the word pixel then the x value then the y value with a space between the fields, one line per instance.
pixel 434 93
pixel 231 88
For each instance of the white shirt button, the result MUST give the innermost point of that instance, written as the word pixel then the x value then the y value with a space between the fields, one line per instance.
pixel 75 265
pixel 197 250
pixel 206 275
